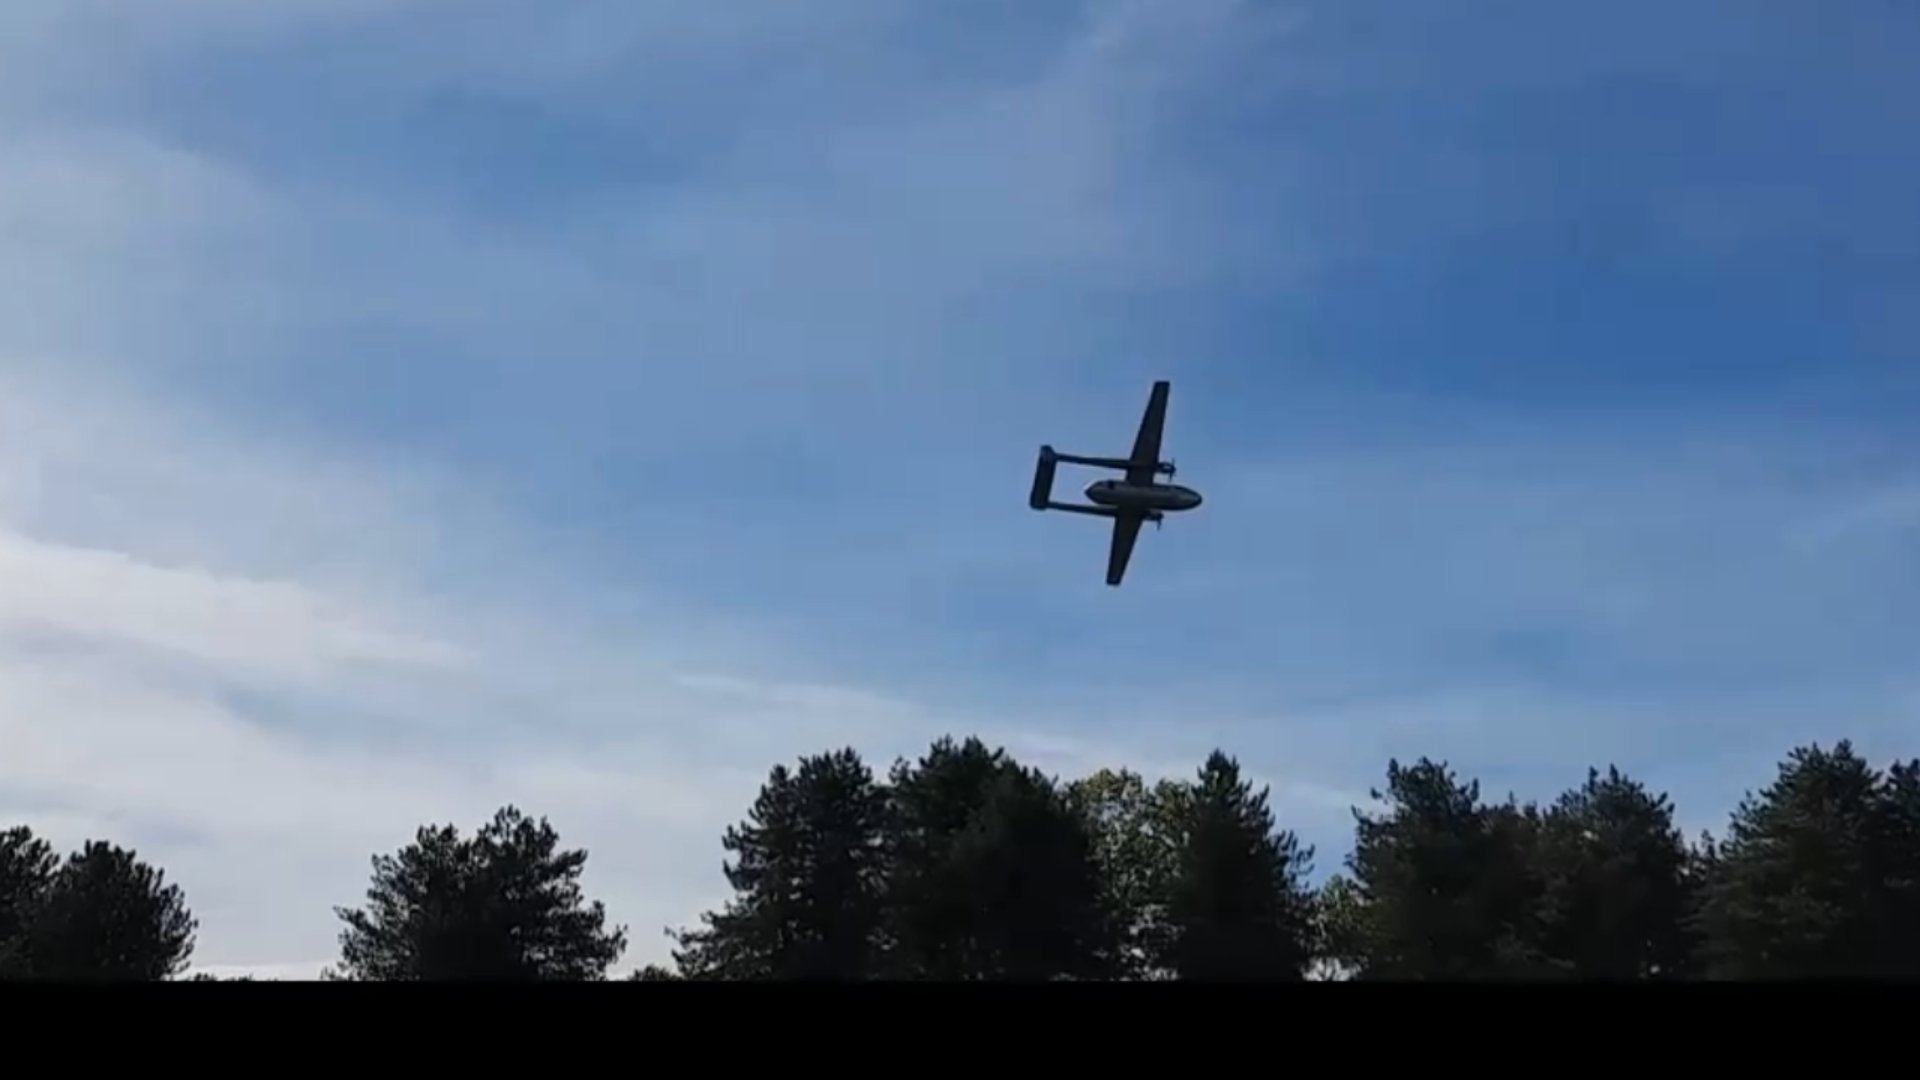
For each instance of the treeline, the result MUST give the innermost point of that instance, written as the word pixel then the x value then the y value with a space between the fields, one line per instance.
pixel 968 865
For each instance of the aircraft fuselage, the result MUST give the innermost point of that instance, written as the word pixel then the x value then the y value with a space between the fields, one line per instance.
pixel 1165 498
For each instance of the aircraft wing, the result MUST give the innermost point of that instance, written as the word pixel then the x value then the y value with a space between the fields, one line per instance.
pixel 1126 530
pixel 1145 459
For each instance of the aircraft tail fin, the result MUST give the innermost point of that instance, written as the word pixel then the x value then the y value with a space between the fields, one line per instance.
pixel 1043 479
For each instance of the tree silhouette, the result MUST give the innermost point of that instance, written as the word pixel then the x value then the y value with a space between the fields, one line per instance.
pixel 1134 827
pixel 965 865
pixel 105 915
pixel 27 866
pixel 504 905
pixel 1616 893
pixel 992 875
pixel 1237 906
pixel 1442 886
pixel 1814 878
pixel 807 875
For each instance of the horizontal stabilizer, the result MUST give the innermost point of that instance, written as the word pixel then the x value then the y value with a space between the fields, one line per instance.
pixel 1043 471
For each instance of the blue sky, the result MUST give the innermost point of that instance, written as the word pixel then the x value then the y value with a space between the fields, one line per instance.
pixel 411 406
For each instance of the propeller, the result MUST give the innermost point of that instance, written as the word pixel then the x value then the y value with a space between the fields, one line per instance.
pixel 1168 469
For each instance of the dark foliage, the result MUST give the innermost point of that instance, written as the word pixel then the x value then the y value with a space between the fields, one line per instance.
pixel 807 875
pixel 102 914
pixel 504 905
pixel 1441 886
pixel 27 865
pixel 1134 829
pixel 1816 877
pixel 1615 890
pixel 966 865
pixel 990 871
pixel 1237 906
pixel 991 874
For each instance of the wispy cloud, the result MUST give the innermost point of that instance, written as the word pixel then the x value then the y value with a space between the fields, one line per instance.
pixel 261 712
pixel 266 731
pixel 408 407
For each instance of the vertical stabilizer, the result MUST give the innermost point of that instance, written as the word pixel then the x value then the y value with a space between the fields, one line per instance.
pixel 1043 479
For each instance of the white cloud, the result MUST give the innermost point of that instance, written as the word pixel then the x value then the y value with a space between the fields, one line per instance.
pixel 260 734
pixel 240 625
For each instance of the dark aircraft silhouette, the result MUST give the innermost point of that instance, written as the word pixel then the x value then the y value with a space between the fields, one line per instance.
pixel 1130 502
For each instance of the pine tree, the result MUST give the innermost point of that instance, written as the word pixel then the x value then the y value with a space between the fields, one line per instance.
pixel 504 905
pixel 807 873
pixel 1237 906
